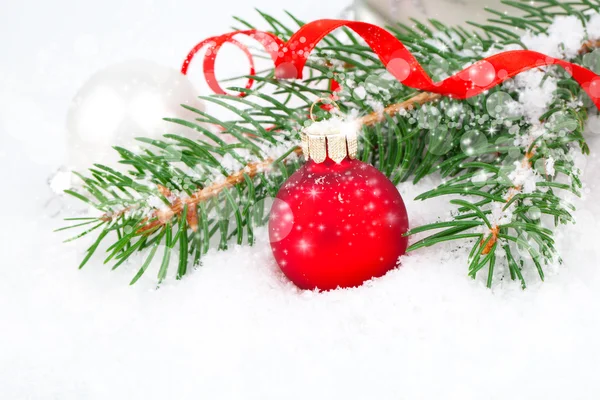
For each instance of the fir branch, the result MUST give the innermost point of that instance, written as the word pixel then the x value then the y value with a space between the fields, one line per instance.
pixel 179 195
pixel 251 170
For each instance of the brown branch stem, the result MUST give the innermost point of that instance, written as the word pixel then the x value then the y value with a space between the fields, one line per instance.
pixel 495 230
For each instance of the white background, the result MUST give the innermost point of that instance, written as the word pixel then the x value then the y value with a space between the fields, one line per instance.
pixel 49 49
pixel 236 328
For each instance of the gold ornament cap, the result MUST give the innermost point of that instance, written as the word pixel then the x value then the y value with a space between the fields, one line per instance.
pixel 335 138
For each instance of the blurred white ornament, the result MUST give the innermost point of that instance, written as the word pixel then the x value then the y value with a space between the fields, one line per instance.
pixel 122 102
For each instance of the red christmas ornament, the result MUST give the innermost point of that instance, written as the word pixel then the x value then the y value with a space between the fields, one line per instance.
pixel 336 221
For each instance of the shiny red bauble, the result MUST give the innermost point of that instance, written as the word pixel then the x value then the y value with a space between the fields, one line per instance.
pixel 337 225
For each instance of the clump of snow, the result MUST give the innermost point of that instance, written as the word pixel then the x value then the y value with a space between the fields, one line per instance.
pixel 524 177
pixel 563 40
pixel 524 139
pixel 535 92
pixel 336 125
pixel 61 180
pixel 593 27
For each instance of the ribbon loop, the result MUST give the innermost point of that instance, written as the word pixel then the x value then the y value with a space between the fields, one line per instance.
pixel 290 58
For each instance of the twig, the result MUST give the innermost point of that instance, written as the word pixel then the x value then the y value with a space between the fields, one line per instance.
pixel 495 230
pixel 588 46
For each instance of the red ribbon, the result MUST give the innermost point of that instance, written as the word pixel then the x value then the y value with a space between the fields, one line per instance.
pixel 289 59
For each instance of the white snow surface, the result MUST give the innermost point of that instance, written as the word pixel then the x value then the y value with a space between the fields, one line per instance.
pixel 236 328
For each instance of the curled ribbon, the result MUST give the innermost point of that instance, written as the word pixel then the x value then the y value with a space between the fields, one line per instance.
pixel 290 57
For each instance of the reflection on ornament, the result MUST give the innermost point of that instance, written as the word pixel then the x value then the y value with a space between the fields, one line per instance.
pixel 122 102
pixel 336 224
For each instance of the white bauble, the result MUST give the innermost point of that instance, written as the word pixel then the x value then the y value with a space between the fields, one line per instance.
pixel 122 102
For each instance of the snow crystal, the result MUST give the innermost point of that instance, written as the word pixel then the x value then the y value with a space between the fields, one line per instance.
pixel 499 216
pixel 524 140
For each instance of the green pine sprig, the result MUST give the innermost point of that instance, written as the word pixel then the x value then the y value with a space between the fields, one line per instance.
pixel 418 141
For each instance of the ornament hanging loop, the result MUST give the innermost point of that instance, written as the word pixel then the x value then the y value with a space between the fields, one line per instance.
pixel 335 138
pixel 325 101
